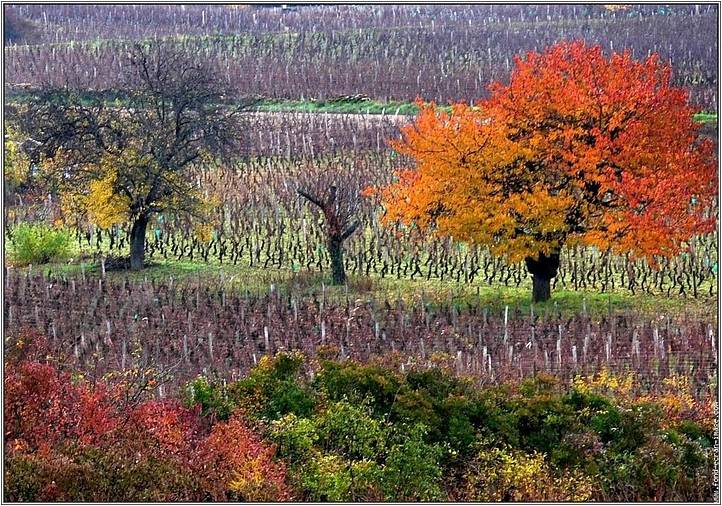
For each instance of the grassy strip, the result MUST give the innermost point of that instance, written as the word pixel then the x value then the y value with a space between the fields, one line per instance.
pixel 332 106
pixel 368 106
pixel 349 106
pixel 116 98
pixel 257 281
pixel 706 117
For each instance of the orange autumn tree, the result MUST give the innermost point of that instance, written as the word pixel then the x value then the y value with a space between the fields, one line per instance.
pixel 578 148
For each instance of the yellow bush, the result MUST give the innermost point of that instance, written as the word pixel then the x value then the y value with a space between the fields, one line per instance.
pixel 502 474
pixel 16 167
pixel 678 402
pixel 204 232
pixel 605 382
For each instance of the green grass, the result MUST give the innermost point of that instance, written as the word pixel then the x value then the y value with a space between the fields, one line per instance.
pixel 306 284
pixel 706 117
pixel 368 106
pixel 113 98
pixel 363 106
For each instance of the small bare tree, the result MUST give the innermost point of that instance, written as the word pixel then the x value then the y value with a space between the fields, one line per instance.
pixel 337 194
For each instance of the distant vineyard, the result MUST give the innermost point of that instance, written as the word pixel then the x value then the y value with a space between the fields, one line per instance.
pixel 385 52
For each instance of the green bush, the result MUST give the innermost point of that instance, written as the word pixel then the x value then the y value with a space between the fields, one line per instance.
pixel 499 418
pixel 350 430
pixel 448 406
pixel 38 244
pixel 413 407
pixel 211 396
pixel 358 383
pixel 269 392
pixel 412 469
pixel 436 383
pixel 274 388
pixel 344 454
pixel 294 437
pixel 667 467
pixel 95 475
pixel 624 429
pixel 696 433
pixel 433 397
pixel 330 477
pixel 463 416
pixel 333 456
pixel 542 421
pixel 367 432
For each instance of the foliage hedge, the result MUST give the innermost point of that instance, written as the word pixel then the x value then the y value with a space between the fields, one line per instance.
pixel 337 430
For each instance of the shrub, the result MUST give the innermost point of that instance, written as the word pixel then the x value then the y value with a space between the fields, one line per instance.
pixel 412 471
pixel 624 429
pixel 435 398
pixel 463 416
pixel 274 388
pixel 42 408
pixel 358 382
pixel 542 421
pixel 295 437
pixel 505 474
pixel 237 466
pixel 330 477
pixel 666 468
pixel 112 473
pixel 333 457
pixel 69 440
pixel 695 432
pixel 327 478
pixel 413 407
pixel 499 417
pixel 436 383
pixel 38 244
pixel 210 396
pixel 167 429
pixel 351 431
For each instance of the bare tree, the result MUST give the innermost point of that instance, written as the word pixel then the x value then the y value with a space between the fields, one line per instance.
pixel 174 112
pixel 337 194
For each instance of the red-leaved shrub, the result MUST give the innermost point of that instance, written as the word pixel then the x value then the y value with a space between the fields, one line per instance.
pixel 69 440
pixel 44 408
pixel 238 466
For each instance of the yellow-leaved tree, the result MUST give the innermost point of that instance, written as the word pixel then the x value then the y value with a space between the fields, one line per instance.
pixel 16 165
pixel 124 164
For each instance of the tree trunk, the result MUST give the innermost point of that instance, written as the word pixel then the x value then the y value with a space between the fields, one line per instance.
pixel 542 288
pixel 544 269
pixel 137 243
pixel 335 249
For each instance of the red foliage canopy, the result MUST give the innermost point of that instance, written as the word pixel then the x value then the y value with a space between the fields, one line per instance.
pixel 578 147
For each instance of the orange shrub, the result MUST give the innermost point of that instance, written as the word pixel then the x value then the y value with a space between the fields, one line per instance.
pixel 236 465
